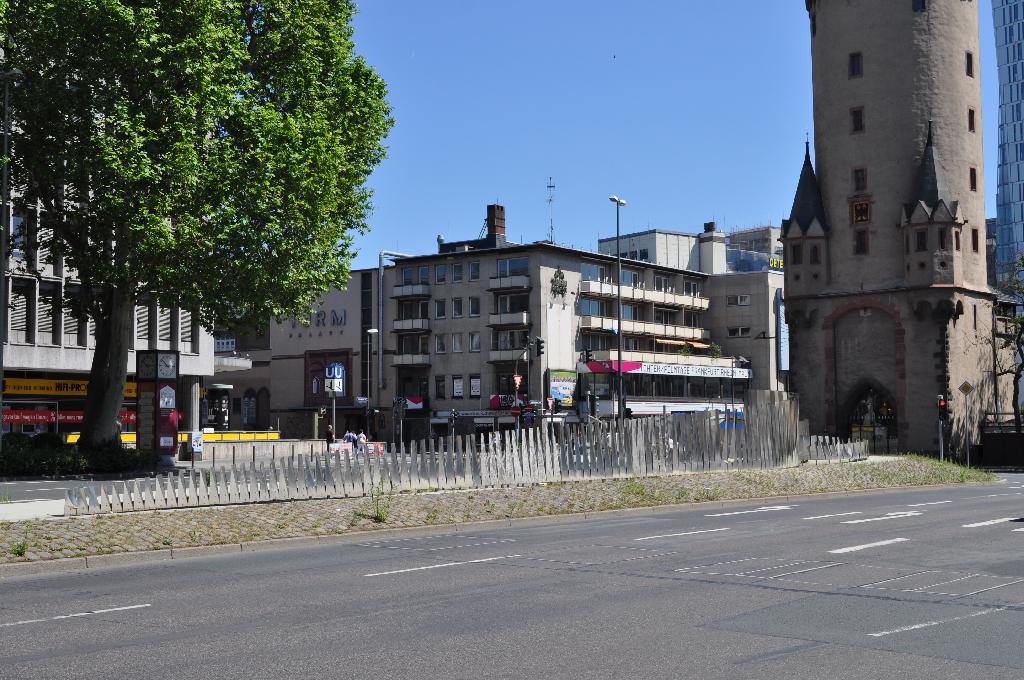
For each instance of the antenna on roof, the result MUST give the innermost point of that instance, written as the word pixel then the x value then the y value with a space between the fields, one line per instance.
pixel 551 209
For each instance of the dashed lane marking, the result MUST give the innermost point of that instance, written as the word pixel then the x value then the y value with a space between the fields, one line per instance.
pixel 440 566
pixel 767 508
pixel 855 548
pixel 921 505
pixel 903 514
pixel 684 533
pixel 838 514
pixel 75 616
pixel 938 622
pixel 990 522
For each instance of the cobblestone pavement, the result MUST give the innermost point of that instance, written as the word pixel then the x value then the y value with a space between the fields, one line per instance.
pixel 164 529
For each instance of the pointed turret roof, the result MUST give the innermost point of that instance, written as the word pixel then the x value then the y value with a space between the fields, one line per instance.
pixel 807 204
pixel 932 188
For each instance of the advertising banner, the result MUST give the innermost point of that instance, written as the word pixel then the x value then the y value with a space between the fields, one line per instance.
pixel 45 386
pixel 563 386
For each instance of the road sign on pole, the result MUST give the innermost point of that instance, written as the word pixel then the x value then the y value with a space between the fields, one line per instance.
pixel 966 388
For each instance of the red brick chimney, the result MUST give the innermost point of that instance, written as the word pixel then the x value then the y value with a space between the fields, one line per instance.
pixel 496 220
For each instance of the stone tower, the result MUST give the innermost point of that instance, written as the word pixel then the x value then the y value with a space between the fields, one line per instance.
pixel 886 283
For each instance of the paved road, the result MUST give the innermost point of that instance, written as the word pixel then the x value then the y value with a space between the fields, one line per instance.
pixel 924 583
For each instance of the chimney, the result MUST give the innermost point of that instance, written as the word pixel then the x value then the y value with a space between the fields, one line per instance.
pixel 709 227
pixel 496 220
pixel 440 240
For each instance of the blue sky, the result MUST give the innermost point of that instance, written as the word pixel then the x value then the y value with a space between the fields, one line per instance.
pixel 691 111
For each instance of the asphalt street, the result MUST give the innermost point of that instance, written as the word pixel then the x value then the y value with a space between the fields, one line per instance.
pixel 922 583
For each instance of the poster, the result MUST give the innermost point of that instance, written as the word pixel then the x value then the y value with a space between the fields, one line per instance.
pixel 563 386
pixel 474 387
pixel 457 388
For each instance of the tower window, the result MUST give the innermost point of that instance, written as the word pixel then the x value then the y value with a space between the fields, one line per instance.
pixel 857 119
pixel 797 253
pixel 971 122
pixel 860 179
pixel 942 239
pixel 969 64
pixel 861 212
pixel 956 239
pixel 920 5
pixel 974 179
pixel 815 254
pixel 974 240
pixel 922 240
pixel 860 242
pixel 856 68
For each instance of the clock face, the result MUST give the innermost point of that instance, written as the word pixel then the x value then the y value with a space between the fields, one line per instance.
pixel 146 366
pixel 168 366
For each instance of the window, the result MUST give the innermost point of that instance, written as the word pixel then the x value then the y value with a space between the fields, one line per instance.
pixel 412 310
pixel 631 343
pixel 441 273
pixel 439 308
pixel 956 239
pixel 414 344
pixel 513 304
pixel 974 179
pixel 596 342
pixel 663 283
pixel 974 240
pixel 971 120
pixel 439 383
pixel 739 332
pixel 922 240
pixel 593 272
pixel 456 273
pixel 474 306
pixel 457 387
pixel 631 278
pixel 456 308
pixel 456 342
pixel 474 385
pixel 796 253
pixel 665 316
pixel 920 5
pixel 691 288
pixel 631 312
pixel 474 271
pixel 737 300
pixel 474 342
pixel 906 243
pixel 692 319
pixel 516 266
pixel 407 274
pixel 815 254
pixel 591 307
pixel 861 212
pixel 942 239
pixel 860 179
pixel 856 67
pixel 969 64
pixel 857 119
pixel 424 274
pixel 644 255
pixel 439 347
pixel 860 242
pixel 506 340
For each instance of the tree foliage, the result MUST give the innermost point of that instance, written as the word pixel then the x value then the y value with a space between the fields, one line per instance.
pixel 207 154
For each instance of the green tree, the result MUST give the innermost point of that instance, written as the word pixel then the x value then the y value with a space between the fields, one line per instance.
pixel 205 154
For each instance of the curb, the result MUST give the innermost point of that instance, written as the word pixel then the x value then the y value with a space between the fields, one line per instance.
pixel 71 564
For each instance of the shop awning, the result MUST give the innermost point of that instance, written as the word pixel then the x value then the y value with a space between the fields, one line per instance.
pixel 692 343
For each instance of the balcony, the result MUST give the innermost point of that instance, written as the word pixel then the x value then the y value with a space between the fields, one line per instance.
pixel 608 324
pixel 605 355
pixel 520 282
pixel 411 291
pixel 411 326
pixel 509 355
pixel 410 360
pixel 607 289
pixel 509 320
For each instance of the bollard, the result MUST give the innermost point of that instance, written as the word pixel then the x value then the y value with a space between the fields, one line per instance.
pixel 253 454
pixel 232 455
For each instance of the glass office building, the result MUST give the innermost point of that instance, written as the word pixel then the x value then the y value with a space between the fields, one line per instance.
pixel 1008 18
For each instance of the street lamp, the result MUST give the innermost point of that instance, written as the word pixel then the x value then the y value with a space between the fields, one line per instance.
pixel 370 332
pixel 619 203
pixel 7 77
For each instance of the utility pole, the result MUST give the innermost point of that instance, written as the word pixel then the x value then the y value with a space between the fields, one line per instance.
pixel 621 407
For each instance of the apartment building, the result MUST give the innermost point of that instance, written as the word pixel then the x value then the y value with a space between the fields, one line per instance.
pixel 459 337
pixel 48 352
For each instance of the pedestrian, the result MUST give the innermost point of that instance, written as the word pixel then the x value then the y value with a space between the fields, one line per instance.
pixel 329 435
pixel 361 439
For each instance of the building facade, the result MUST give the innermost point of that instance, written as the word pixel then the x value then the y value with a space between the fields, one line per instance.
pixel 459 338
pixel 1008 20
pixel 887 293
pixel 48 352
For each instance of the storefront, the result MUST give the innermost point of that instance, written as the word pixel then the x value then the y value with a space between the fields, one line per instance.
pixel 54 404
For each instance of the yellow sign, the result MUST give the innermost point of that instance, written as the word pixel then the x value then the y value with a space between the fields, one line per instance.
pixel 61 388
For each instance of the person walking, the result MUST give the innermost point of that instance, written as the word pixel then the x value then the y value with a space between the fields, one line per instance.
pixel 329 435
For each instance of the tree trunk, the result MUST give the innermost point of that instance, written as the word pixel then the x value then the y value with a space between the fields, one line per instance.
pixel 100 426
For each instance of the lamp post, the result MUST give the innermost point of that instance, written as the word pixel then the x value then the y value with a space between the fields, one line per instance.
pixel 7 77
pixel 621 409
pixel 370 332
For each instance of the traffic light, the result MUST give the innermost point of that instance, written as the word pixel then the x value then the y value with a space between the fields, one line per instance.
pixel 539 345
pixel 627 412
pixel 588 356
pixel 592 403
pixel 943 406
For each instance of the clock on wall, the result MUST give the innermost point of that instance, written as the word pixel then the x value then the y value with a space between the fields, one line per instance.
pixel 145 365
pixel 167 365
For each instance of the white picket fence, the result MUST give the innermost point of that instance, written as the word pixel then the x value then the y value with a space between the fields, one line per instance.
pixel 665 445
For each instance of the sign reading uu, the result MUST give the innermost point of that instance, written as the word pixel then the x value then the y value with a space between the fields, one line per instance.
pixel 334 384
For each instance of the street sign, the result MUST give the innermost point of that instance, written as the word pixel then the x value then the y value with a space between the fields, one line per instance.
pixel 334 383
pixel 551 402
pixel 966 388
pixel 197 442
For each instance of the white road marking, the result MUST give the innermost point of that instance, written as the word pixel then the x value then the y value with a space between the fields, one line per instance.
pixel 75 616
pixel 939 622
pixel 896 578
pixel 985 590
pixel 839 514
pixel 920 505
pixel 944 583
pixel 990 522
pixel 685 533
pixel 438 566
pixel 791 573
pixel 903 514
pixel 767 508
pixel 855 548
